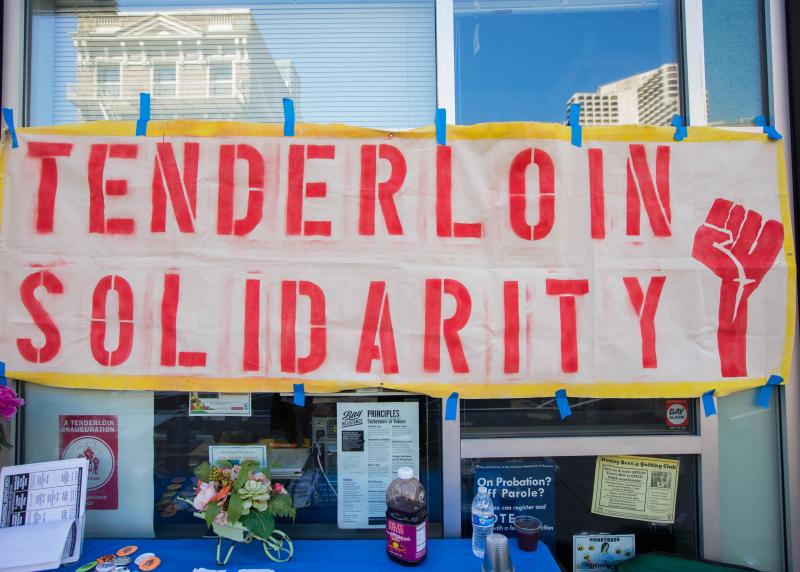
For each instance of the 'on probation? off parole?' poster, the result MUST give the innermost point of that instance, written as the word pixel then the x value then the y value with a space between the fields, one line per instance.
pixel 518 488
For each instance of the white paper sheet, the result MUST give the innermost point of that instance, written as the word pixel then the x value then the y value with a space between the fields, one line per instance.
pixel 54 492
pixel 35 547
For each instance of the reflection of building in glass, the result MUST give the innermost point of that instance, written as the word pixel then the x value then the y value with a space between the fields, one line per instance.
pixel 194 63
pixel 649 98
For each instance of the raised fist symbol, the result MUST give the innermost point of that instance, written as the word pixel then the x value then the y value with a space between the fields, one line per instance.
pixel 738 248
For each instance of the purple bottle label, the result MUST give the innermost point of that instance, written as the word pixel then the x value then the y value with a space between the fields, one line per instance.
pixel 407 542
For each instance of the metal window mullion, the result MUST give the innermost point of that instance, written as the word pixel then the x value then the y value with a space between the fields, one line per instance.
pixel 710 512
pixel 451 430
pixel 779 105
pixel 13 60
pixel 451 473
pixel 582 446
pixel 694 63
pixel 445 59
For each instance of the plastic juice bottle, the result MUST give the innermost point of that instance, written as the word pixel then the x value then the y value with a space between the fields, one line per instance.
pixel 406 519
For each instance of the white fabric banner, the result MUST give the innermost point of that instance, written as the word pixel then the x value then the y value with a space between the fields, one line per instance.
pixel 494 266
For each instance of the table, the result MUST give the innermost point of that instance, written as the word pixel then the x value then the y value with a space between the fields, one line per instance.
pixel 315 555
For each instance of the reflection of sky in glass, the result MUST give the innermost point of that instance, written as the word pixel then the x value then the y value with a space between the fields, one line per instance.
pixel 734 60
pixel 524 60
pixel 365 63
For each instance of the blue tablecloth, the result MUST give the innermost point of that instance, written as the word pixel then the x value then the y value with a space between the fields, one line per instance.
pixel 314 555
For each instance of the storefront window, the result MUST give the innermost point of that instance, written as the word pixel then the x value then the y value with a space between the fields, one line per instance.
pixel 528 60
pixel 735 69
pixel 151 443
pixel 497 418
pixel 366 63
pixel 570 506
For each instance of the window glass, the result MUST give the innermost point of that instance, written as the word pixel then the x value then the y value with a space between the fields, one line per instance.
pixel 367 63
pixel 301 441
pixel 574 483
pixel 751 482
pixel 56 420
pixel 733 33
pixel 529 59
pixel 158 445
pixel 486 418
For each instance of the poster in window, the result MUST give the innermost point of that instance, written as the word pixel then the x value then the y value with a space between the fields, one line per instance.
pixel 677 414
pixel 94 438
pixel 636 488
pixel 517 488
pixel 373 441
pixel 599 552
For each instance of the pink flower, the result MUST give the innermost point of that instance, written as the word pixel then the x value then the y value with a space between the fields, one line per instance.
pixel 205 493
pixel 278 487
pixel 261 477
pixel 222 517
pixel 9 401
pixel 235 472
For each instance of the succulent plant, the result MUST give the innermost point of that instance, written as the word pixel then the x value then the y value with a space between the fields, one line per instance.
pixel 254 495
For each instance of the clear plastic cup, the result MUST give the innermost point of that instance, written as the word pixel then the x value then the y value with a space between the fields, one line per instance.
pixel 528 529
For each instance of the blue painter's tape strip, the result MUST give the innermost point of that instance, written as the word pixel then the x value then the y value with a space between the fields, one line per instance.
pixel 144 114
pixel 300 394
pixel 575 124
pixel 765 392
pixel 288 117
pixel 3 380
pixel 451 407
pixel 679 123
pixel 563 403
pixel 8 115
pixel 441 126
pixel 771 132
pixel 709 407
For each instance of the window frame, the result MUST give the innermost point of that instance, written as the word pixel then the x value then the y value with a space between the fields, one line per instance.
pixel 706 443
pixel 16 95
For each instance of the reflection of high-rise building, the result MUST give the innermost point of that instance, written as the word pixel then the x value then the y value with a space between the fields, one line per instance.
pixel 649 98
pixel 194 63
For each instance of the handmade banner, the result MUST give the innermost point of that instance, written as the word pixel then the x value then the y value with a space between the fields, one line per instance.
pixel 225 257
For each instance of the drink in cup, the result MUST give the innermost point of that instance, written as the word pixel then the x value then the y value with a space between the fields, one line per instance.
pixel 528 529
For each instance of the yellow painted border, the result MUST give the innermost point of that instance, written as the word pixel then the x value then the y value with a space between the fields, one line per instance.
pixel 512 130
pixel 467 390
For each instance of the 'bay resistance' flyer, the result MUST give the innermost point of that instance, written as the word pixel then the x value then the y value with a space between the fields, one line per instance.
pixel 373 441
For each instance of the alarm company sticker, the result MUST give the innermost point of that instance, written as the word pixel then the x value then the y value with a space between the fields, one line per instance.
pixel 677 414
pixel 95 438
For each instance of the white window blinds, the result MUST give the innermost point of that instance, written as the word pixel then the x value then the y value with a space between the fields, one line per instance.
pixel 366 63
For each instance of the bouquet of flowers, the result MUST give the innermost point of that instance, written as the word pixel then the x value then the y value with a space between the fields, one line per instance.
pixel 240 503
pixel 9 402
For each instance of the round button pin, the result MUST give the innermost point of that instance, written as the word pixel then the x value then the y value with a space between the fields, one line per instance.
pixel 150 564
pixel 127 550
pixel 122 561
pixel 105 558
pixel 105 567
pixel 142 557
